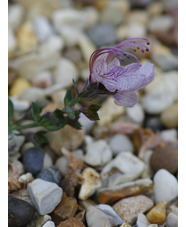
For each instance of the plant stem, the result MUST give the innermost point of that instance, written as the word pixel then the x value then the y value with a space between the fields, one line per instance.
pixel 33 125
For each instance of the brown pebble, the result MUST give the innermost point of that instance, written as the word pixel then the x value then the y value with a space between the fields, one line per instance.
pixel 169 117
pixel 66 209
pixel 71 222
pixel 165 158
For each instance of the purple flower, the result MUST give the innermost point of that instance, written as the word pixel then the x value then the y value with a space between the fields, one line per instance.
pixel 121 81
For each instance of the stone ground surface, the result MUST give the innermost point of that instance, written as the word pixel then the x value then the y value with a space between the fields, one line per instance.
pixel 123 168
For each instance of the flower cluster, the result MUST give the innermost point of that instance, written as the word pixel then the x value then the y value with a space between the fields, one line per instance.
pixel 121 81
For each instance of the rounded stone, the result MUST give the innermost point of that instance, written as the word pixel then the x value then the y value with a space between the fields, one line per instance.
pixel 102 34
pixel 20 213
pixel 33 160
pixel 165 186
pixel 169 117
pixel 51 174
pixel 19 86
pixel 165 158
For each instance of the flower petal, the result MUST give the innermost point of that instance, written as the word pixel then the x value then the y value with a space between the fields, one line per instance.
pixel 125 98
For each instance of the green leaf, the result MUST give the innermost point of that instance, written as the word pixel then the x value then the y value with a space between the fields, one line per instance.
pixel 75 86
pixel 36 110
pixel 74 122
pixel 70 112
pixel 10 111
pixel 68 97
pixel 38 139
pixel 91 112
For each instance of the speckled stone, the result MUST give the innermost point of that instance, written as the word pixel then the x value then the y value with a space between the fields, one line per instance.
pixel 129 208
pixel 165 158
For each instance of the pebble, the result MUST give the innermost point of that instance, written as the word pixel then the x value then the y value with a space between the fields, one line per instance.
pixel 67 137
pixel 142 221
pixel 114 13
pixel 65 72
pixel 98 153
pixel 20 213
pixel 15 15
pixel 20 85
pixel 102 34
pixel 162 178
pixel 170 4
pixel 139 16
pixel 25 178
pixel 161 93
pixel 169 117
pixel 165 158
pixel 125 163
pixel 153 122
pixel 45 58
pixel 26 39
pixel 42 192
pixel 157 214
pixel 155 8
pixel 62 165
pixel 15 144
pixel 161 23
pixel 136 29
pixel 172 220
pixel 91 182
pixel 42 219
pixel 33 160
pixel 86 46
pixel 20 105
pixel 73 54
pixel 42 79
pixel 136 113
pixel 42 28
pixel 110 112
pixel 32 94
pixel 129 208
pixel 105 216
pixel 169 135
pixel 51 174
pixel 71 222
pixel 47 161
pixel 119 143
pixel 58 96
pixel 12 42
pixel 86 123
pixel 125 224
pixel 114 193
pixel 49 224
pixel 91 15
pixel 67 208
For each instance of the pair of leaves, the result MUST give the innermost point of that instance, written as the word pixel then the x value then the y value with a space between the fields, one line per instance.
pixel 91 112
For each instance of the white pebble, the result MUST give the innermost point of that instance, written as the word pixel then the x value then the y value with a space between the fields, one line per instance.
pixel 98 153
pixel 161 23
pixel 49 224
pixel 165 186
pixel 136 30
pixel 142 221
pixel 61 164
pixel 11 41
pixel 172 220
pixel 25 178
pixel 119 143
pixel 136 113
pixel 169 135
pixel 44 195
pixel 15 15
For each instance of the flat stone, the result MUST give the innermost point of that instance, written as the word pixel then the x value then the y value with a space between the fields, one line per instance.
pixel 20 212
pixel 169 117
pixel 129 208
pixel 172 220
pixel 98 153
pixel 33 160
pixel 125 163
pixel 119 143
pixel 20 85
pixel 165 158
pixel 44 195
pixel 102 34
pixel 112 194
pixel 161 93
pixel 142 221
pixel 161 178
pixel 157 214
pixel 136 113
pixel 65 209
pixel 67 137
pixel 161 23
pixel 91 182
pixel 104 215
pixel 65 72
